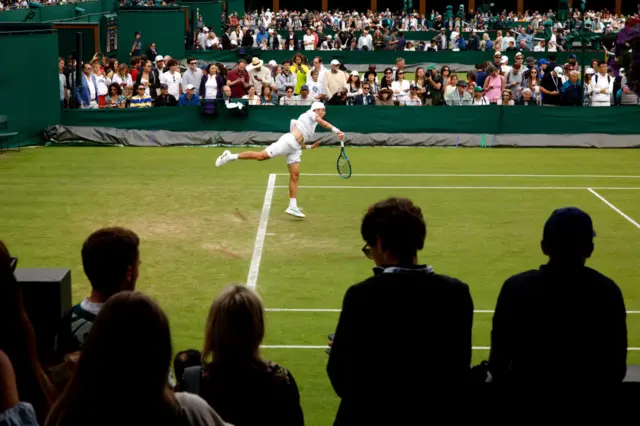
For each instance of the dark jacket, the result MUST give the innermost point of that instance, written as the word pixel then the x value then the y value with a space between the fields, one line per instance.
pixel 226 42
pixel 151 54
pixel 202 89
pixel 164 101
pixel 559 325
pixel 401 334
pixel 370 98
pixel 154 81
pixel 571 93
pixel 474 43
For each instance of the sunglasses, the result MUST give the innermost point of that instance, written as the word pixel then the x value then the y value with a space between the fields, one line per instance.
pixel 141 88
pixel 388 72
pixel 193 63
pixel 367 251
pixel 400 73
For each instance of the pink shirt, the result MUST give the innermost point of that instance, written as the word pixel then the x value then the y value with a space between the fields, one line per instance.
pixel 494 89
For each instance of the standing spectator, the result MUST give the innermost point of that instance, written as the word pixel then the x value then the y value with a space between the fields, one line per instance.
pixel 572 90
pixel 165 98
pixel 588 75
pixel 136 48
pixel 309 40
pixel 151 51
pixel 130 338
pixel 87 93
pixel 474 41
pixel 486 44
pixel 259 75
pixel 387 79
pixel 285 79
pixel 365 42
pixel 317 65
pixel 235 374
pixel 135 67
pixel 481 74
pixel 421 85
pixel 370 77
pixel 334 79
pixel 551 87
pixel 141 100
pixel 460 96
pixel 507 40
pixel 514 78
pixel 561 289
pixel 494 85
pixel 173 79
pixel 63 83
pixel 441 39
pixel 417 302
pixel 353 86
pixel 149 79
pixel 531 81
pixel 193 75
pixel 400 87
pixel 211 83
pixel 18 349
pixel 159 64
pixel 190 97
pixel 435 87
pixel 124 80
pixel 601 87
pixel 101 81
pixel 451 87
pixel 238 79
pixel 400 64
pixel 300 69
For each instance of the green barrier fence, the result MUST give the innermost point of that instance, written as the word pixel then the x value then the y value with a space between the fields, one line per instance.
pixel 29 93
pixel 378 57
pixel 470 120
pixel 165 27
pixel 65 12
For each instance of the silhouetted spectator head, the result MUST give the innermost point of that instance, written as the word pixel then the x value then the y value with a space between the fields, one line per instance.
pixel 568 235
pixel 235 328
pixel 111 259
pixel 184 360
pixel 394 230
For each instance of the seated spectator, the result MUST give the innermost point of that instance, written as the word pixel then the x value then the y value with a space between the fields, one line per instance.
pixel 385 97
pixel 527 98
pixel 288 98
pixel 562 289
pixel 507 98
pixel 28 388
pixel 400 87
pixel 371 78
pixel 427 321
pixel 165 99
pixel 252 96
pixel 387 80
pixel 353 86
pixel 182 361
pixel 130 339
pixel 189 98
pixel 572 90
pixel 111 260
pixel 413 99
pixel 479 98
pixel 114 98
pixel 340 98
pixel 474 41
pixel 140 100
pixel 451 86
pixel 460 96
pixel 235 376
pixel 304 98
pixel 268 97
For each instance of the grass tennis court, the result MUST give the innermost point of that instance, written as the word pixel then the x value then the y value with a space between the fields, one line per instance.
pixel 485 209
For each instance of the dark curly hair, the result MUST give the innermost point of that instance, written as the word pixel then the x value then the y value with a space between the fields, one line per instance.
pixel 400 226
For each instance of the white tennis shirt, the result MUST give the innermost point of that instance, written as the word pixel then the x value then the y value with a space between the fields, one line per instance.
pixel 306 124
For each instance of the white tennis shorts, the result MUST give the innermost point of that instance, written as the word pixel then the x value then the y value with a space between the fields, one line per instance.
pixel 287 146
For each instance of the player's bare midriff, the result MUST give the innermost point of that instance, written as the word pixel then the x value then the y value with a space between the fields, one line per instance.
pixel 298 135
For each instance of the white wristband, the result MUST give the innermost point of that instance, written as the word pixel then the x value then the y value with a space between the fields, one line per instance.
pixel 335 130
pixel 309 147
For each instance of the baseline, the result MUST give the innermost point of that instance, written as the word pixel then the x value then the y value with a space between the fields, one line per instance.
pixel 471 175
pixel 520 188
pixel 254 268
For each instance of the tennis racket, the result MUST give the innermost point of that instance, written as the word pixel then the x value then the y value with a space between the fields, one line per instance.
pixel 343 164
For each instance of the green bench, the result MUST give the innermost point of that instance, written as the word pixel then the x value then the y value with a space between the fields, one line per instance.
pixel 6 136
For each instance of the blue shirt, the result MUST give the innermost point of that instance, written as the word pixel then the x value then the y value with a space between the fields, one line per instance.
pixel 184 101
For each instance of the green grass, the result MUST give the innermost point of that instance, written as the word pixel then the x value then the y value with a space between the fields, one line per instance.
pixel 198 226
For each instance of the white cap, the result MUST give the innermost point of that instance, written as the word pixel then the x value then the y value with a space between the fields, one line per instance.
pixel 190 86
pixel 504 60
pixel 355 73
pixel 558 70
pixel 159 58
pixel 590 71
pixel 335 62
pixel 273 63
pixel 205 29
pixel 317 105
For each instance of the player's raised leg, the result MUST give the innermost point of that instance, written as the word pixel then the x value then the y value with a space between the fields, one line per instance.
pixel 294 178
pixel 247 155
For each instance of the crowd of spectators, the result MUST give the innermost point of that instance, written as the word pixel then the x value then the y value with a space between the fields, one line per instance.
pixel 115 345
pixel 504 80
pixel 386 31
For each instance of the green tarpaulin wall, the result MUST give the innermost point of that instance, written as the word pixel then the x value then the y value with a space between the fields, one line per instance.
pixel 471 120
pixel 54 13
pixel 378 57
pixel 210 12
pixel 164 27
pixel 29 93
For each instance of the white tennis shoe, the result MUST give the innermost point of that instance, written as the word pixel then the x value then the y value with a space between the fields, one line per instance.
pixel 294 212
pixel 223 159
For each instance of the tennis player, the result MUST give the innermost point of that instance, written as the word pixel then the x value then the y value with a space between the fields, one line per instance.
pixel 290 145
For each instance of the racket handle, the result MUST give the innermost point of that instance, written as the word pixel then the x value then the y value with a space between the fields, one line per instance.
pixel 342 144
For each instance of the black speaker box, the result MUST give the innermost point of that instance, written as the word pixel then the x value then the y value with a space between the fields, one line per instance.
pixel 47 297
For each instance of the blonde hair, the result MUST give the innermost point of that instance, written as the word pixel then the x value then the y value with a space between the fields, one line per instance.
pixel 235 328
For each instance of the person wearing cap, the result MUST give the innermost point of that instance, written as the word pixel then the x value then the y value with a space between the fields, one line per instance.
pixel 334 79
pixel 601 86
pixel 304 98
pixel 504 65
pixel 290 146
pixel 460 96
pixel 189 97
pixel 551 87
pixel 165 99
pixel 159 64
pixel 479 99
pixel 544 317
pixel 259 75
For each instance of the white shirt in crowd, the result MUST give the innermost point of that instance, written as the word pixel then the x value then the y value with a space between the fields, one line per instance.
pixel 212 43
pixel 211 88
pixel 308 41
pixel 173 81
pixel 315 88
pixel 599 83
pixel 320 75
pixel 505 42
pixel 254 101
pixel 400 90
pixel 306 124
pixel 365 40
pixel 103 85
pixel 122 81
pixel 92 88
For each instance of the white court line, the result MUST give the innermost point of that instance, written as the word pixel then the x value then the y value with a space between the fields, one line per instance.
pixel 562 188
pixel 254 269
pixel 469 175
pixel 475 348
pixel 479 311
pixel 620 212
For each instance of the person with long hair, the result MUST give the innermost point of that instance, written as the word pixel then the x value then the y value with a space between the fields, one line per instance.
pixel 18 344
pixel 130 340
pixel 212 83
pixel 235 376
pixel 149 79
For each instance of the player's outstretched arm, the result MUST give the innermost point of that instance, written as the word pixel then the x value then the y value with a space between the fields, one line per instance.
pixel 331 127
